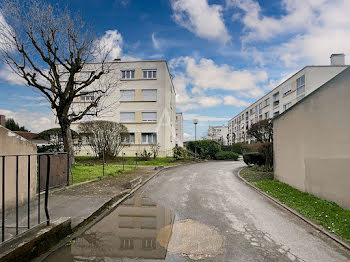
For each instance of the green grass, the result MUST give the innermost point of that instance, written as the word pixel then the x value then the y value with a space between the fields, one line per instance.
pixel 88 171
pixel 328 214
pixel 160 161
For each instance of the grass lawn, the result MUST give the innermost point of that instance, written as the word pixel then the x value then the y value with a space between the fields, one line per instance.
pixel 88 171
pixel 328 214
pixel 160 161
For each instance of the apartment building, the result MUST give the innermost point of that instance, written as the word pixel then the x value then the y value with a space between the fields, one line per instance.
pixel 179 129
pixel 143 99
pixel 218 134
pixel 291 91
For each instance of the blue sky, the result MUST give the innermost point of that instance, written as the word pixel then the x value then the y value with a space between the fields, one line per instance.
pixel 223 54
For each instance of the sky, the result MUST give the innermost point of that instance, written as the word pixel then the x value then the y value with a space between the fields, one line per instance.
pixel 223 54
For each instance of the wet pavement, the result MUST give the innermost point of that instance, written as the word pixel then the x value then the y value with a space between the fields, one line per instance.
pixel 200 212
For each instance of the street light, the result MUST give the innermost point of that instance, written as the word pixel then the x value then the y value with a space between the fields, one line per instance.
pixel 195 122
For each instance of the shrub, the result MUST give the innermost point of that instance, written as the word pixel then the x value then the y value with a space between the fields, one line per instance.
pixel 205 149
pixel 181 153
pixel 266 149
pixel 250 148
pixel 225 155
pixel 226 148
pixel 145 156
pixel 254 158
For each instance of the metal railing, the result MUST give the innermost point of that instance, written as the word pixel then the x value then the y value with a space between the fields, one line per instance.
pixel 29 173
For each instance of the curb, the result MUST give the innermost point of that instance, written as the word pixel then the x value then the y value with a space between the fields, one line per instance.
pixel 99 214
pixel 302 217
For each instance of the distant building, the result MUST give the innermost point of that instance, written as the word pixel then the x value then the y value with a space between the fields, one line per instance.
pixel 288 93
pixel 218 134
pixel 32 138
pixel 179 129
pixel 312 142
pixel 145 104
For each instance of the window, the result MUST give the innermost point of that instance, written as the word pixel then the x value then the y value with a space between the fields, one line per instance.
pixel 149 95
pixel 267 115
pixel 87 98
pixel 260 108
pixel 148 243
pixel 126 243
pixel 128 74
pixel 149 138
pixel 276 111
pixel 287 89
pixel 276 100
pixel 267 101
pixel 251 111
pixel 260 117
pixel 149 116
pixel 128 138
pixel 127 116
pixel 256 109
pixel 150 74
pixel 301 85
pixel 286 106
pixel 127 95
pixel 300 97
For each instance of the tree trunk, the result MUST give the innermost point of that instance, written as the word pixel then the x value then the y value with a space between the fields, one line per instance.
pixel 68 143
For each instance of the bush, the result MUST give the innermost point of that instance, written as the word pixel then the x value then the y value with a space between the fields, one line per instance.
pixel 145 156
pixel 250 148
pixel 205 149
pixel 266 149
pixel 253 158
pixel 181 153
pixel 224 155
pixel 226 148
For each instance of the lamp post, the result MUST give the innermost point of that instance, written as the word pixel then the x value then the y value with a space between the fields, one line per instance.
pixel 195 122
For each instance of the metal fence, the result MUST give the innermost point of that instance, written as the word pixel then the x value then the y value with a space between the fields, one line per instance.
pixel 49 170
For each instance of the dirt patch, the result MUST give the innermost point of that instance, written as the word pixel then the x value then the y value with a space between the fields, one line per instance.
pixel 109 186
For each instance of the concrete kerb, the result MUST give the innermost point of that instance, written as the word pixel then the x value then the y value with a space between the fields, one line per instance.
pixel 99 214
pixel 305 219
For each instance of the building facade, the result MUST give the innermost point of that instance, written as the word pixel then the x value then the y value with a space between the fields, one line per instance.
pixel 143 99
pixel 218 134
pixel 288 93
pixel 179 129
pixel 312 142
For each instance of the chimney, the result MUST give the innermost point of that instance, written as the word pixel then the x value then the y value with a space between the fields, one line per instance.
pixel 337 59
pixel 2 120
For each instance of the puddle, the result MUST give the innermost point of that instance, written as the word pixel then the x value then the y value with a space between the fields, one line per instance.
pixel 131 231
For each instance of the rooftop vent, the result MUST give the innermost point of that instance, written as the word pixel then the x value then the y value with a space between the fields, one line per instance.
pixel 2 120
pixel 337 59
pixel 117 60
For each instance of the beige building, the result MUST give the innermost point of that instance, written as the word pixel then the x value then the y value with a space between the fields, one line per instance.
pixel 143 99
pixel 218 134
pixel 312 142
pixel 288 93
pixel 179 129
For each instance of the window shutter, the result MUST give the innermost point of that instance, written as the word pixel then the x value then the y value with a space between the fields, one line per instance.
pixel 127 95
pixel 127 116
pixel 149 116
pixel 149 94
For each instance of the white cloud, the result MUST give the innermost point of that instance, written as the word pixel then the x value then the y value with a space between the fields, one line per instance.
pixel 203 75
pixel 202 19
pixel 204 118
pixel 233 101
pixel 156 43
pixel 8 75
pixel 312 29
pixel 35 122
pixel 186 136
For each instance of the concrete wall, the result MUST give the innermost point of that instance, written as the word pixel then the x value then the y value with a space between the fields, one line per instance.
pixel 312 142
pixel 10 143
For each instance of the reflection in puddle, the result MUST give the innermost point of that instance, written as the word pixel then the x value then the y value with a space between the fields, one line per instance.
pixel 131 231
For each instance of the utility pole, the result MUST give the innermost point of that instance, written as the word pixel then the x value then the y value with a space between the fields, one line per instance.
pixel 195 122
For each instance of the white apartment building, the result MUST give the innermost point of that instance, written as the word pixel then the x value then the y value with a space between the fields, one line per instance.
pixel 291 91
pixel 179 129
pixel 218 134
pixel 143 99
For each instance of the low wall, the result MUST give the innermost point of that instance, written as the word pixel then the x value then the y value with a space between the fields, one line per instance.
pixel 12 144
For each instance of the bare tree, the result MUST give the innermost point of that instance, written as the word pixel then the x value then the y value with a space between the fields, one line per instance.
pixel 50 48
pixel 155 149
pixel 105 137
pixel 262 131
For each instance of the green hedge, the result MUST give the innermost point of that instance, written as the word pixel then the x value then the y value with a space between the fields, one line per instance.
pixel 225 155
pixel 206 149
pixel 254 158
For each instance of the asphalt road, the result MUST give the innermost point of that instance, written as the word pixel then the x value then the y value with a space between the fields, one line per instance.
pixel 219 218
